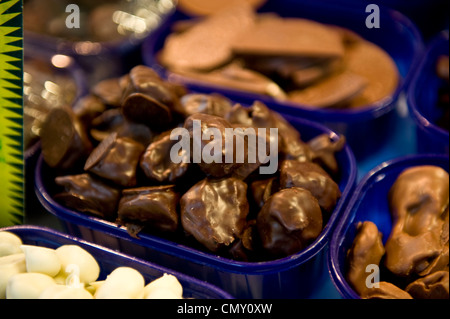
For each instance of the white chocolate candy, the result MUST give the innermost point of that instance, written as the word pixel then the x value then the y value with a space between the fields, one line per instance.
pixel 163 293
pixel 166 282
pixel 28 285
pixel 9 244
pixel 79 262
pixel 9 266
pixel 65 292
pixel 122 283
pixel 41 260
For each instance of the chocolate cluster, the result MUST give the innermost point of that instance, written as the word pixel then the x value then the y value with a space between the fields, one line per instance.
pixel 414 260
pixel 289 59
pixel 113 157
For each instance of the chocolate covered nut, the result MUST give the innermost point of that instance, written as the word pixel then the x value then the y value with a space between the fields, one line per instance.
pixel 313 178
pixel 143 109
pixel 263 189
pixel 88 194
pixel 153 207
pixel 202 125
pixel 387 290
pixel 324 151
pixel 367 249
pixel 211 104
pixel 207 45
pixel 88 108
pixel 214 212
pixel 109 91
pixel 433 286
pixel 146 81
pixel 419 206
pixel 64 141
pixel 116 159
pixel 157 164
pixel 289 221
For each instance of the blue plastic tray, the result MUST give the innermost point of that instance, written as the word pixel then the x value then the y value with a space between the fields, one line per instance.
pixel 370 203
pixel 301 275
pixel 109 260
pixel 397 35
pixel 423 98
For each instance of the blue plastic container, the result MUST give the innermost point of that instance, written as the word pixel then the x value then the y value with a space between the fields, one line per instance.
pixel 397 35
pixel 423 98
pixel 370 203
pixel 298 276
pixel 109 260
pixel 102 60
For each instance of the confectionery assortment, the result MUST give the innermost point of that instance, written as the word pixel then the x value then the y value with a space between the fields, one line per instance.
pixel 70 272
pixel 114 161
pixel 415 256
pixel 110 153
pixel 290 59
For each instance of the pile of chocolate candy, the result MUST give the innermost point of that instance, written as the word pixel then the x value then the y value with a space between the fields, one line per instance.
pixel 111 157
pixel 290 59
pixel 413 262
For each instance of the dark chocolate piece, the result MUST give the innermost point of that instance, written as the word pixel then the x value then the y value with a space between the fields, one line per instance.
pixel 64 141
pixel 157 164
pixel 109 91
pixel 211 104
pixel 87 194
pixel 214 212
pixel 153 207
pixel 116 159
pixel 313 178
pixel 143 109
pixel 289 222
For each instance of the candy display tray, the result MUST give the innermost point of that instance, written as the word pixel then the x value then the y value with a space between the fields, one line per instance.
pixel 109 260
pixel 297 276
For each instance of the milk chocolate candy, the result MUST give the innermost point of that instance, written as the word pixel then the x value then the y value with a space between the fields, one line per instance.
pixel 157 164
pixel 289 37
pixel 207 45
pixel 313 178
pixel 64 141
pixel 87 194
pixel 206 7
pixel 418 202
pixel 334 91
pixel 367 249
pixel 372 63
pixel 152 207
pixel 202 139
pixel 214 212
pixel 289 222
pixel 433 286
pixel 116 159
pixel 143 109
pixel 387 290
